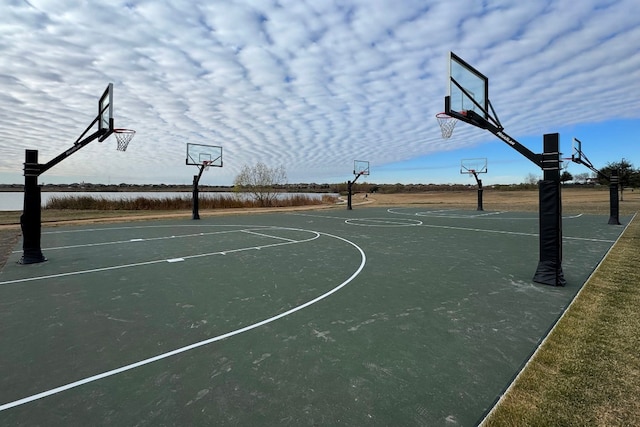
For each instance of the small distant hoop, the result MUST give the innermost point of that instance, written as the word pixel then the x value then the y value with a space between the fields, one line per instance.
pixel 123 136
pixel 447 124
pixel 207 164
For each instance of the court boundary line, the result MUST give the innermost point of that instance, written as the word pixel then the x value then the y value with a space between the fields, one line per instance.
pixel 71 385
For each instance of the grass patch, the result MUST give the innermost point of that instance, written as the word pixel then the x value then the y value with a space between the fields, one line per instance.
pixel 588 370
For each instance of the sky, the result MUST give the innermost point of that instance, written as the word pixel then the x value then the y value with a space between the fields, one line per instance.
pixel 313 86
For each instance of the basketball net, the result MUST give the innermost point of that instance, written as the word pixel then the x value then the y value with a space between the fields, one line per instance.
pixel 447 124
pixel 123 136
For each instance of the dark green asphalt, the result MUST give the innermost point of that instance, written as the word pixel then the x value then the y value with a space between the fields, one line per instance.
pixel 412 317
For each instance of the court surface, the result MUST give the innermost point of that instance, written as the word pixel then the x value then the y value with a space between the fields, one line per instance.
pixel 376 316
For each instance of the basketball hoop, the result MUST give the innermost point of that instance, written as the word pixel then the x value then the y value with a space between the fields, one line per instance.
pixel 206 164
pixel 447 123
pixel 123 136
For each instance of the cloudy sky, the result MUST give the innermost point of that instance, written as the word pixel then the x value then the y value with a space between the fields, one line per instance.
pixel 313 85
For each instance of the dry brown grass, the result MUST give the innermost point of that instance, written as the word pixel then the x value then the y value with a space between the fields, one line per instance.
pixel 574 200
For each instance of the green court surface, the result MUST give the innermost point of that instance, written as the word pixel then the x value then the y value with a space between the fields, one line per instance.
pixel 373 316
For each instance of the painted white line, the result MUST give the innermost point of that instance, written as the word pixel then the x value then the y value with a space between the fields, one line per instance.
pixel 363 260
pixel 267 235
pixel 488 215
pixel 479 230
pixel 587 239
pixel 150 239
pixel 175 260
pixel 352 221
pixel 143 227
pixel 320 216
pixel 157 261
pixel 381 222
pixel 514 233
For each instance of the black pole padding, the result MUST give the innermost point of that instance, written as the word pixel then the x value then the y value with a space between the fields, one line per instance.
pixel 614 203
pixel 349 185
pixel 479 181
pixel 30 220
pixel 195 214
pixel 549 271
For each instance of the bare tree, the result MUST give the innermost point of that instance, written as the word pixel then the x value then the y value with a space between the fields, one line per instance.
pixel 565 177
pixel 531 179
pixel 260 182
pixel 581 178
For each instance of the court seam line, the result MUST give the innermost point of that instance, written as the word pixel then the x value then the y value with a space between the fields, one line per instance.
pixel 156 358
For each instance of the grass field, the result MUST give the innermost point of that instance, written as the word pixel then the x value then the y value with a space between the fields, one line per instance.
pixel 587 371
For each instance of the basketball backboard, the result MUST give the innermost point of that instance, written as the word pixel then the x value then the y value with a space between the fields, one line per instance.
pixel 360 167
pixel 467 88
pixel 576 154
pixel 204 155
pixel 105 113
pixel 471 166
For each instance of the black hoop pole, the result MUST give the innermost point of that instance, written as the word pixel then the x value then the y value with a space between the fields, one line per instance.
pixel 549 271
pixel 480 190
pixel 614 181
pixel 196 196
pixel 349 187
pixel 614 203
pixel 195 214
pixel 30 220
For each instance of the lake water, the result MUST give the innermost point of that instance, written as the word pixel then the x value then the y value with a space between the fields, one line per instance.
pixel 13 201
